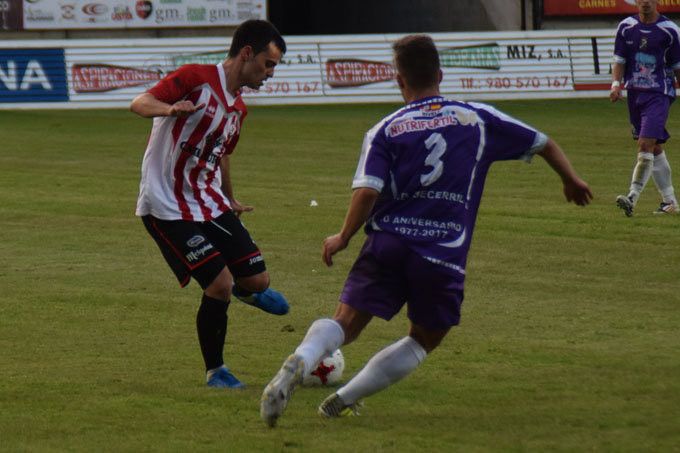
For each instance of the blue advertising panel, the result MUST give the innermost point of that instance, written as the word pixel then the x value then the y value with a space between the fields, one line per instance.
pixel 33 75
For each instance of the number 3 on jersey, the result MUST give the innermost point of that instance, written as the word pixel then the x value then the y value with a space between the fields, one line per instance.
pixel 437 146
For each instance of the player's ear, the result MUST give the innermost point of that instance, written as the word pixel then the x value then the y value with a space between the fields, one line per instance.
pixel 441 76
pixel 246 53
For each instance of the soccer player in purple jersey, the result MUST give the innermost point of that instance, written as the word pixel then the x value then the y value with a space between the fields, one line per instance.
pixel 647 59
pixel 417 189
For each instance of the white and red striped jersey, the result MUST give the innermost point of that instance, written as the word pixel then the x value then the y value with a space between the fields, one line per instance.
pixel 181 176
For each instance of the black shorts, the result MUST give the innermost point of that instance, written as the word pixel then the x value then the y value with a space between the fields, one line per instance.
pixel 202 249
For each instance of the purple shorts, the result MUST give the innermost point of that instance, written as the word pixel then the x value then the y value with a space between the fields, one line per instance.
pixel 648 114
pixel 387 274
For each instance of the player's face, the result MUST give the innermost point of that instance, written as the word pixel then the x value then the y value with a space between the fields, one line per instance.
pixel 646 6
pixel 260 67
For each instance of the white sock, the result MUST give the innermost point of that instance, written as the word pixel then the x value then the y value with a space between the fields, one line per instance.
pixel 323 338
pixel 388 366
pixel 662 178
pixel 641 173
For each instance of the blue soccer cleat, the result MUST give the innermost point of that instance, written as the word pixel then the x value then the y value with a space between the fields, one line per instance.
pixel 222 378
pixel 268 300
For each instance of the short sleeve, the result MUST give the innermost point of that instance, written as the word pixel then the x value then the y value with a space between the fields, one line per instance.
pixel 619 46
pixel 375 161
pixel 673 56
pixel 507 138
pixel 175 86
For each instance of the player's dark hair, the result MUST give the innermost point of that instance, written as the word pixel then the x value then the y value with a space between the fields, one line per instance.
pixel 417 61
pixel 256 34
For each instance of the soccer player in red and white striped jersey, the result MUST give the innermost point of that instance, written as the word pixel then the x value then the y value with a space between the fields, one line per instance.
pixel 186 200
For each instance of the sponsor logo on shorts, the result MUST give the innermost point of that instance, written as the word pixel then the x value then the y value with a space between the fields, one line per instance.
pixel 195 241
pixel 255 259
pixel 199 254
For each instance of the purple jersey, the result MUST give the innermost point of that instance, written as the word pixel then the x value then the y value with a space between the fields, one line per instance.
pixel 650 53
pixel 429 161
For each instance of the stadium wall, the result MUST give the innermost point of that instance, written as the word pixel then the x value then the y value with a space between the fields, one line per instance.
pixel 98 73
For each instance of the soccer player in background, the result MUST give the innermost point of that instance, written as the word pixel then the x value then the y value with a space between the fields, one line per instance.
pixel 186 200
pixel 417 189
pixel 647 60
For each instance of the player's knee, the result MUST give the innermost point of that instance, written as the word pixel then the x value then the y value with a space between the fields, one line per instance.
pixel 220 288
pixel 429 340
pixel 647 146
pixel 644 156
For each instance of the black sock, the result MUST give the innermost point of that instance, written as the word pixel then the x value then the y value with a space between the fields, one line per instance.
pixel 211 324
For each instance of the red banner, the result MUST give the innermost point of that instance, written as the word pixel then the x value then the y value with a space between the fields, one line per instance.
pixel 96 78
pixel 592 7
pixel 351 72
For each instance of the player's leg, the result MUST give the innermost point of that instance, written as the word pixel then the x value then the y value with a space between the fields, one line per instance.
pixel 657 111
pixel 635 111
pixel 664 184
pixel 373 288
pixel 387 367
pixel 251 280
pixel 323 337
pixel 211 326
pixel 648 117
pixel 189 253
pixel 643 168
pixel 434 298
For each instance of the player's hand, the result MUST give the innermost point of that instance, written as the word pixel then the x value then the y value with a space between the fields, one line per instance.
pixel 615 94
pixel 578 192
pixel 331 246
pixel 239 209
pixel 182 109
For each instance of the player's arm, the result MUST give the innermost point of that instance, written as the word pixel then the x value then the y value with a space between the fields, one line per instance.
pixel 617 81
pixel 575 189
pixel 147 106
pixel 227 188
pixel 360 207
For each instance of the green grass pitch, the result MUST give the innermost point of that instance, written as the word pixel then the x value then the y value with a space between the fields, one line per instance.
pixel 569 339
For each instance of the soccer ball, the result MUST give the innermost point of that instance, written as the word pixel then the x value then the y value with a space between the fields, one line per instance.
pixel 329 371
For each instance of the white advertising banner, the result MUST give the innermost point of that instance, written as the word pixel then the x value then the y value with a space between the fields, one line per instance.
pixel 315 69
pixel 79 14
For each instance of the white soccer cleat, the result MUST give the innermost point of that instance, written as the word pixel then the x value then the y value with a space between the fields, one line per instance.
pixel 667 208
pixel 626 204
pixel 278 392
